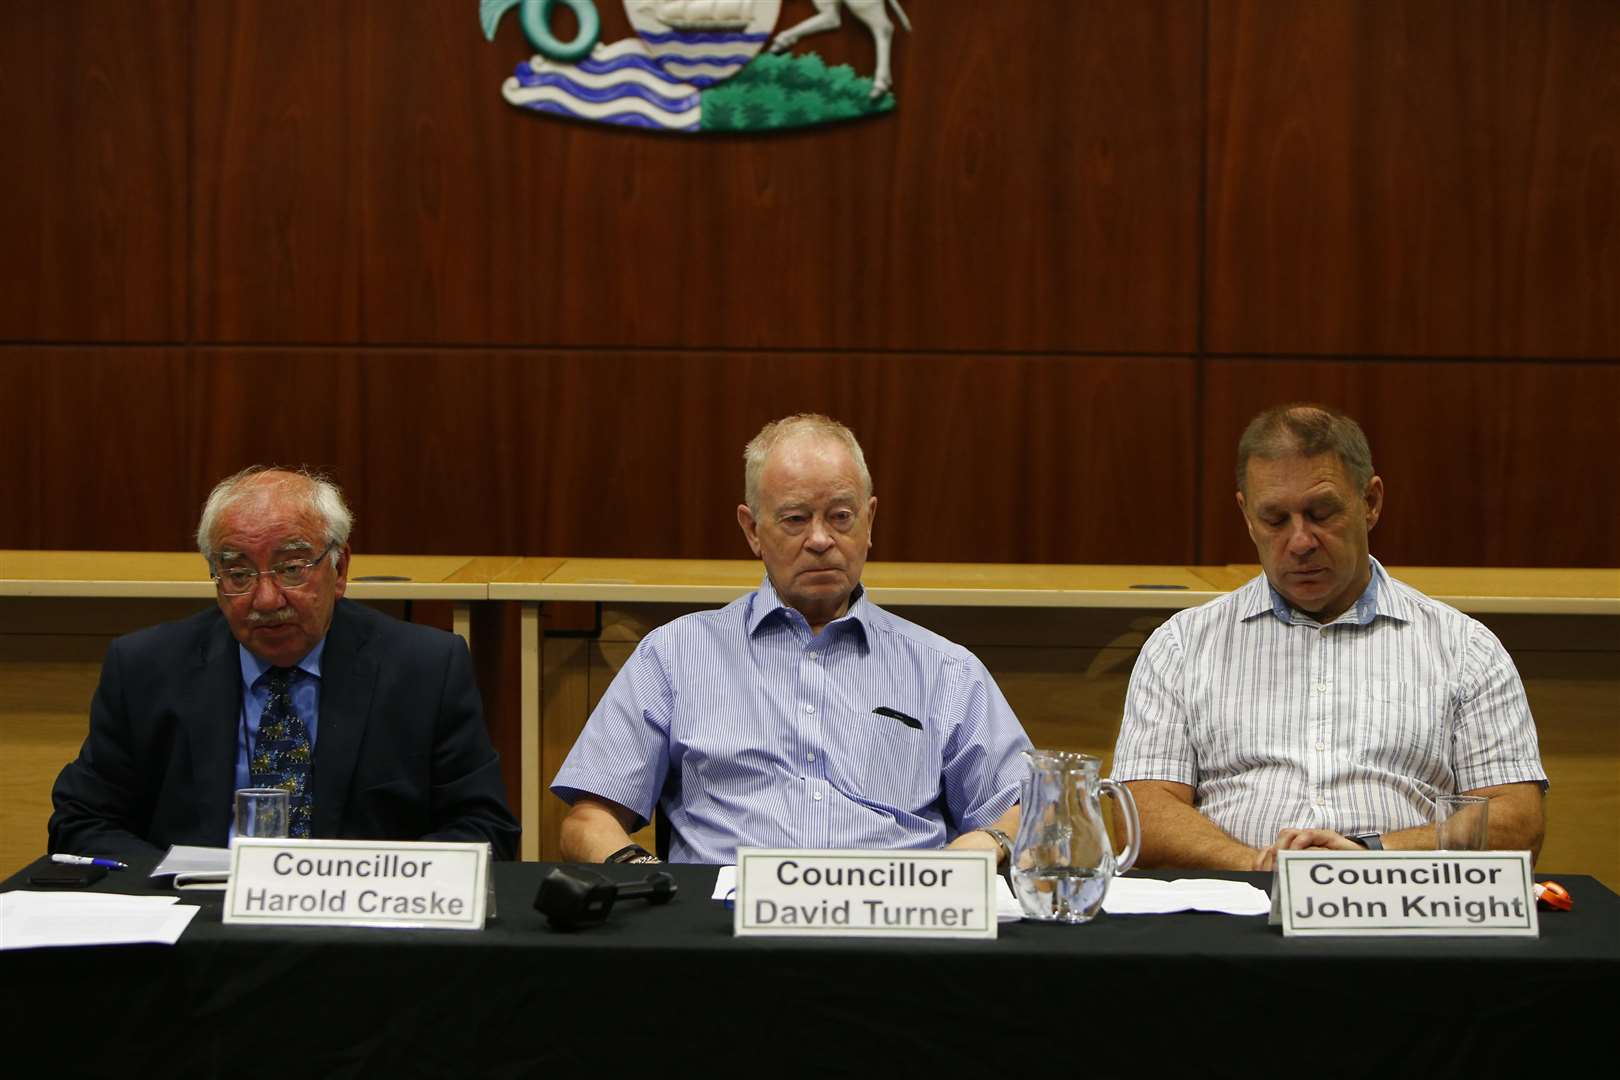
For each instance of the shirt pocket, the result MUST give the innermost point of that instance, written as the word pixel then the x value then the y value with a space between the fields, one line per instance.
pixel 886 763
pixel 1400 728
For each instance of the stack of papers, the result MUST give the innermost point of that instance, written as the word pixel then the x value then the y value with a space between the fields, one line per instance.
pixel 1147 896
pixel 196 867
pixel 32 920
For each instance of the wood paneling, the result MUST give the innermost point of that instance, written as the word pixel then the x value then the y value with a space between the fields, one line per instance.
pixel 93 107
pixel 1011 459
pixel 1415 179
pixel 1437 179
pixel 1484 464
pixel 359 177
pixel 103 451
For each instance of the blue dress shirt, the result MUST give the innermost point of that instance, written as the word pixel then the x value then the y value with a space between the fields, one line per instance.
pixel 746 729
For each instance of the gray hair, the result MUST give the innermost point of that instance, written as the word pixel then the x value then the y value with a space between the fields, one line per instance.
pixel 318 494
pixel 776 432
pixel 1306 430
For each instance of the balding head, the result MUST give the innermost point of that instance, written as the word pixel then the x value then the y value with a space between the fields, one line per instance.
pixel 1305 430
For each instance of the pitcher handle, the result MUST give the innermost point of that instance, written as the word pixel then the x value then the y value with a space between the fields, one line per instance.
pixel 1124 860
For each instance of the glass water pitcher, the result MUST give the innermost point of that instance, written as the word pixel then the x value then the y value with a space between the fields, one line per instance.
pixel 1063 859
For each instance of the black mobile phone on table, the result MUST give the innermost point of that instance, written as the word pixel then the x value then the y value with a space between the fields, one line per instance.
pixel 67 877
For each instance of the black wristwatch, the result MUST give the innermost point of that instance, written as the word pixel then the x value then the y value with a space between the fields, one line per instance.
pixel 632 853
pixel 1369 840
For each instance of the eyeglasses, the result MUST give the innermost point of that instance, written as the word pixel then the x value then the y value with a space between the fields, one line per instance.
pixel 239 580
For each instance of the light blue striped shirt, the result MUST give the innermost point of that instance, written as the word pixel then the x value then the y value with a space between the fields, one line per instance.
pixel 1279 722
pixel 746 730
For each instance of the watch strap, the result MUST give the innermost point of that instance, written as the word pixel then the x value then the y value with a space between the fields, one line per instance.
pixel 1004 845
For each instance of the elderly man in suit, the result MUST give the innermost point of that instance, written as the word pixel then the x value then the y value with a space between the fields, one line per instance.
pixel 372 725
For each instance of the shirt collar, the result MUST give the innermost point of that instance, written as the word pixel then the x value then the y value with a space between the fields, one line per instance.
pixel 765 605
pixel 253 668
pixel 1375 600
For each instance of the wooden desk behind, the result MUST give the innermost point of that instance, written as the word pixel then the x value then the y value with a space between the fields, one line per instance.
pixel 1061 642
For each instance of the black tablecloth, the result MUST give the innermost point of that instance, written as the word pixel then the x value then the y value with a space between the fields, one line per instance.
pixel 658 989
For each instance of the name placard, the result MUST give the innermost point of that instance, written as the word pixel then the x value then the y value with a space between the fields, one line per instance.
pixel 821 893
pixel 1405 893
pixel 359 883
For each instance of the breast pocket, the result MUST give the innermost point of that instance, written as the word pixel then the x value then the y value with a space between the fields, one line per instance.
pixel 1401 729
pixel 884 761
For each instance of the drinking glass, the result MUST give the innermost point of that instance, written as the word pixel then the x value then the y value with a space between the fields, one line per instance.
pixel 261 811
pixel 1461 822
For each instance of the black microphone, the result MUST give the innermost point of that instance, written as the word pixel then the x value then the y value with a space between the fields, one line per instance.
pixel 574 899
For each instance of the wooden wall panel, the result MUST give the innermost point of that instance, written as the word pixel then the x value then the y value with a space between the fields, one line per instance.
pixel 1003 459
pixel 103 456
pixel 93 107
pixel 1484 464
pixel 355 178
pixel 1435 179
pixel 359 178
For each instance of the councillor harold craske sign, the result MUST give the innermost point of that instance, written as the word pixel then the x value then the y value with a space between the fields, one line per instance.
pixel 1405 893
pixel 359 883
pixel 819 893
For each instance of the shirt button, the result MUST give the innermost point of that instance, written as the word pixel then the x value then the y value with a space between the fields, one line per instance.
pixel 1321 688
pixel 1321 746
pixel 816 796
pixel 809 708
pixel 810 756
pixel 813 654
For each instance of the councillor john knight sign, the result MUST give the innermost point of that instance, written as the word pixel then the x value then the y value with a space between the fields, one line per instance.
pixel 1436 893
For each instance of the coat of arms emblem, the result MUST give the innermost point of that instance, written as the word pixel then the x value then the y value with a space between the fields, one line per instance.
pixel 696 65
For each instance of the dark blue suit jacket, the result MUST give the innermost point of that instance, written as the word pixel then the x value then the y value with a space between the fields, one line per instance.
pixel 401 752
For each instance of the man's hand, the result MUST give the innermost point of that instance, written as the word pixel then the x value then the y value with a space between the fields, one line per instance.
pixel 1302 840
pixel 1314 840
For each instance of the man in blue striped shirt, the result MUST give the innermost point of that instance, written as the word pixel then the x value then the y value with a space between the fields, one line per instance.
pixel 801 715
pixel 1324 704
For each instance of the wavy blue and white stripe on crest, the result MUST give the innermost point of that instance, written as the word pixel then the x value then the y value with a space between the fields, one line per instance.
pixel 704 58
pixel 617 84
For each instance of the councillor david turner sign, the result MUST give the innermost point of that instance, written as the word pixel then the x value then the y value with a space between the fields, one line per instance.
pixel 818 893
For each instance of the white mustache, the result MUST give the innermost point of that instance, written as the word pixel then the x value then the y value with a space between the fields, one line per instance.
pixel 271 618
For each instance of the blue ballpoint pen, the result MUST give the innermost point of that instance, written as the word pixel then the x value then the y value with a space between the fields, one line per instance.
pixel 85 860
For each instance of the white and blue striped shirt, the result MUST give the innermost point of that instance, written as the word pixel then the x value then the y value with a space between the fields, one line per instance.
pixel 746 730
pixel 1279 722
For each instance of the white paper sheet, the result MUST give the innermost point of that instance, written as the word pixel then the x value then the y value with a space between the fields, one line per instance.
pixel 1146 896
pixel 31 920
pixel 183 858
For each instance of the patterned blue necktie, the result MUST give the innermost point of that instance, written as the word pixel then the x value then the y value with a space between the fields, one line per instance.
pixel 281 751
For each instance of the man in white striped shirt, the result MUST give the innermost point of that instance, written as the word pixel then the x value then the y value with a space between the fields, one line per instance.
pixel 1324 704
pixel 801 715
